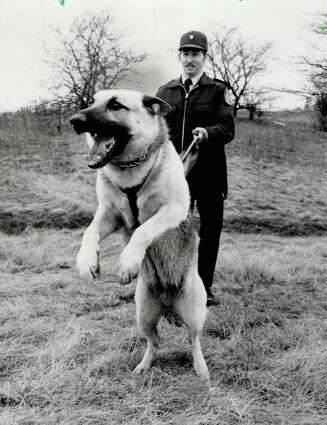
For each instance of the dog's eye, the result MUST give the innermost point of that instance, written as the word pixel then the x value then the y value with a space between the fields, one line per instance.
pixel 114 105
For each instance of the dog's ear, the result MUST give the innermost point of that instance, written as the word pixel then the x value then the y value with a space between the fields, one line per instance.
pixel 155 105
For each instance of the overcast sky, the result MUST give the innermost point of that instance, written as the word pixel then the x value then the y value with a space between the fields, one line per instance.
pixel 154 26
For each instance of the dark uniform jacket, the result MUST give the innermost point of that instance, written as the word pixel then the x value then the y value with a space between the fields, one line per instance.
pixel 204 106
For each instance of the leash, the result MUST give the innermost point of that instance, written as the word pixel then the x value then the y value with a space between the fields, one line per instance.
pixel 183 155
pixel 187 159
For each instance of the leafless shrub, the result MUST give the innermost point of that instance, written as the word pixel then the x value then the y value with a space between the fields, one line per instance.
pixel 315 66
pixel 238 63
pixel 91 58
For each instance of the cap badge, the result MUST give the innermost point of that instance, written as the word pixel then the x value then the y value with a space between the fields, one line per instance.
pixel 191 36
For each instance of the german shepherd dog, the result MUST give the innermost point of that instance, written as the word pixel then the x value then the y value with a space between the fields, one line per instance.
pixel 141 190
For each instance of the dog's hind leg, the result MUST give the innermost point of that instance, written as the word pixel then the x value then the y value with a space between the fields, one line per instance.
pixel 148 312
pixel 191 309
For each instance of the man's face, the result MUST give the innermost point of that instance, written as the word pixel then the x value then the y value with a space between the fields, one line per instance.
pixel 192 61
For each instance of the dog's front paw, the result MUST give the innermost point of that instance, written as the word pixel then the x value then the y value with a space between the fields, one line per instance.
pixel 88 265
pixel 129 266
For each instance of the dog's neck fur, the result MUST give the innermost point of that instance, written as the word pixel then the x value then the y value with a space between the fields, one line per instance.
pixel 129 177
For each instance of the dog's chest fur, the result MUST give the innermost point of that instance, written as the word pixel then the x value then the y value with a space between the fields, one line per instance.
pixel 168 260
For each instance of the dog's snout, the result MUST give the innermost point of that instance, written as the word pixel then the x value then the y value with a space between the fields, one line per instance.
pixel 78 118
pixel 79 122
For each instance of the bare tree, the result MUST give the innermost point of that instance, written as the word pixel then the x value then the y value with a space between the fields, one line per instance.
pixel 319 94
pixel 318 61
pixel 257 101
pixel 315 67
pixel 238 63
pixel 91 58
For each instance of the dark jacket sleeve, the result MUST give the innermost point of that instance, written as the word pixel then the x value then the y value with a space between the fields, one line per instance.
pixel 224 130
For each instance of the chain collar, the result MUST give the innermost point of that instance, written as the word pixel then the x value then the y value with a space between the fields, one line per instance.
pixel 134 163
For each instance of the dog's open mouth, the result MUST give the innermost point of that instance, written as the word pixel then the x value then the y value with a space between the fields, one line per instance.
pixel 109 138
pixel 107 146
pixel 103 150
pixel 108 142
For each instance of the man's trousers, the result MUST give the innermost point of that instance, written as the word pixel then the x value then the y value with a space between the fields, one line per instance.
pixel 211 210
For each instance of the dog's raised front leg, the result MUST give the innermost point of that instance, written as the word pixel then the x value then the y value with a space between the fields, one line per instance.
pixel 130 260
pixel 103 224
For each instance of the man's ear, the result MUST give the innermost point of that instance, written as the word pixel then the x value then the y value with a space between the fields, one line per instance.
pixel 155 105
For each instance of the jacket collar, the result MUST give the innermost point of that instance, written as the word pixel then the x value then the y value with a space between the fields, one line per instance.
pixel 195 80
pixel 204 81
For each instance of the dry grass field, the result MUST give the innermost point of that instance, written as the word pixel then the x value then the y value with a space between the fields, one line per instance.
pixel 67 347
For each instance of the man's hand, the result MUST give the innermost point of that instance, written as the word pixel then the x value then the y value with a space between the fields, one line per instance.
pixel 201 133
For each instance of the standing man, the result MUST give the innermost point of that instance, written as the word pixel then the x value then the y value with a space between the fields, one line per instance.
pixel 201 106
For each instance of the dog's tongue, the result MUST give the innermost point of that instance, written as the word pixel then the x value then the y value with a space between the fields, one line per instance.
pixel 101 153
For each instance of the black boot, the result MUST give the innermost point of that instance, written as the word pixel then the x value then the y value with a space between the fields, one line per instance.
pixel 211 298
